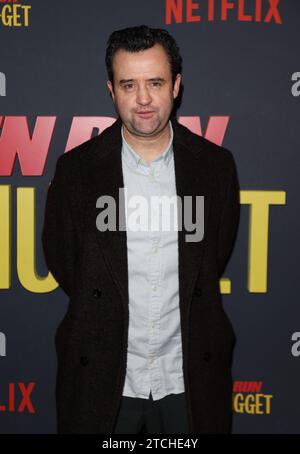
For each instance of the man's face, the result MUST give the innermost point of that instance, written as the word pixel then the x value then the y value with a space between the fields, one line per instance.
pixel 143 83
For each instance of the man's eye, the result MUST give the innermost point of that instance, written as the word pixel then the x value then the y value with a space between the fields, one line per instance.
pixel 129 86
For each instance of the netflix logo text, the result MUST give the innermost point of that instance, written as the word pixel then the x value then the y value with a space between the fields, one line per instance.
pixel 189 11
pixel 17 398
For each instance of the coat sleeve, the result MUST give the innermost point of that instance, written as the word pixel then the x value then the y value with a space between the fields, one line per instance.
pixel 230 212
pixel 58 232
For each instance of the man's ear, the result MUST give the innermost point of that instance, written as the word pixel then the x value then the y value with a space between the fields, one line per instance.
pixel 177 85
pixel 111 89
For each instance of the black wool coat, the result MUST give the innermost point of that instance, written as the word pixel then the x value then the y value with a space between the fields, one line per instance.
pixel 91 267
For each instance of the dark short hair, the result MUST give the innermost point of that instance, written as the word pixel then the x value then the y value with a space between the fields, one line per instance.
pixel 135 39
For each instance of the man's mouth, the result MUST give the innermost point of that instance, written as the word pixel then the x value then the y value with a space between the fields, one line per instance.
pixel 146 113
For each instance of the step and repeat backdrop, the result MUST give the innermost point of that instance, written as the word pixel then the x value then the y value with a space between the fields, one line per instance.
pixel 240 89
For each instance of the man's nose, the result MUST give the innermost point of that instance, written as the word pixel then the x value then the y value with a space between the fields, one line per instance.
pixel 143 96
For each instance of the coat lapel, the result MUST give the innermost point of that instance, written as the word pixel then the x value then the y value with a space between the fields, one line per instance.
pixel 106 177
pixel 191 180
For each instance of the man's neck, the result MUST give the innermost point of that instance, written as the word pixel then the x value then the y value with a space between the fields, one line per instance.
pixel 148 148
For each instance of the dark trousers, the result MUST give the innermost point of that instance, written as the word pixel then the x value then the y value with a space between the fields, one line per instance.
pixel 164 416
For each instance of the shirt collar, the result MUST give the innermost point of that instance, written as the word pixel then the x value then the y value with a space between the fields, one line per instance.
pixel 135 160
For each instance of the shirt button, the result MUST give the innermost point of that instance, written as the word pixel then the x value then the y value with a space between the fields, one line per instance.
pixel 97 293
pixel 154 288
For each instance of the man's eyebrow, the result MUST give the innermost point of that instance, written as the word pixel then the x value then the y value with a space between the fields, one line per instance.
pixel 153 79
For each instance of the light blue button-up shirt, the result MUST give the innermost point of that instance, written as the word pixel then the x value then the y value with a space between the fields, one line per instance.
pixel 154 357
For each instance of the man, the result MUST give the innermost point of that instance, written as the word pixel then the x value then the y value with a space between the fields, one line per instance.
pixel 145 344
